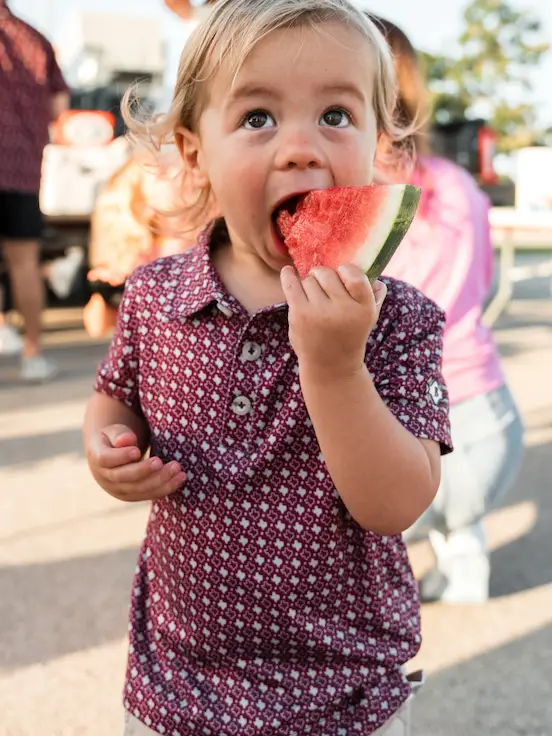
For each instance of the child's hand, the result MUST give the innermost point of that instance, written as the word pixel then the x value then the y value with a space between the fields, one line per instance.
pixel 115 461
pixel 331 315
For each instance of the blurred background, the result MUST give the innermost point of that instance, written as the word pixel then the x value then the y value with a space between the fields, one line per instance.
pixel 487 62
pixel 67 551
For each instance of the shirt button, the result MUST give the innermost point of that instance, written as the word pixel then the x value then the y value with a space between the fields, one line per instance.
pixel 225 310
pixel 241 406
pixel 251 351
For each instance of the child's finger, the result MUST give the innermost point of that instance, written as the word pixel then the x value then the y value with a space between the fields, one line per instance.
pixel 120 436
pixel 167 488
pixel 313 289
pixel 292 287
pixel 158 486
pixel 104 455
pixel 135 472
pixel 329 282
pixel 116 445
pixel 356 282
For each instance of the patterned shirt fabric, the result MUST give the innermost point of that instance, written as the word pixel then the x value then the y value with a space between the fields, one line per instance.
pixel 29 76
pixel 259 606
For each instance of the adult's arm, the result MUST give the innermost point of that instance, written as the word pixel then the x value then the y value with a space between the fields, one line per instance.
pixel 59 90
pixel 60 103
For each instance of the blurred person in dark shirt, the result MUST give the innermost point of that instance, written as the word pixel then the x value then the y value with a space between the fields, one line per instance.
pixel 33 94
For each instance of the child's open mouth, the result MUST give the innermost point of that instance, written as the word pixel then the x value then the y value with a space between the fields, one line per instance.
pixel 283 216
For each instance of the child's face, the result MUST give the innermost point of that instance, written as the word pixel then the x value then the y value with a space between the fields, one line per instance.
pixel 298 117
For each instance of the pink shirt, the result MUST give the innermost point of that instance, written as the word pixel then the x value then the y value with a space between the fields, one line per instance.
pixel 259 606
pixel 448 255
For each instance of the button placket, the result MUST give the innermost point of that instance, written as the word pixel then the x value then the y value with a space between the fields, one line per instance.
pixel 241 406
pixel 251 351
pixel 243 398
pixel 225 310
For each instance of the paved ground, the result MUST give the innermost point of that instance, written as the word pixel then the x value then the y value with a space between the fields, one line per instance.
pixel 67 554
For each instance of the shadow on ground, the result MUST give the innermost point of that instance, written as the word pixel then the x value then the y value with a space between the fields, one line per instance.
pixel 37 447
pixel 511 329
pixel 84 604
pixel 512 348
pixel 526 563
pixel 78 367
pixel 506 691
pixel 487 696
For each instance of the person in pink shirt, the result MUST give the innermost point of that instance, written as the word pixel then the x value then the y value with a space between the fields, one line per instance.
pixel 448 256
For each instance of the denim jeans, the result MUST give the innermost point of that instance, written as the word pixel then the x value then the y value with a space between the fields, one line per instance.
pixel 487 434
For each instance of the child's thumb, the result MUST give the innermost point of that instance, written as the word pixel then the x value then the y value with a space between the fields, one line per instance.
pixel 120 436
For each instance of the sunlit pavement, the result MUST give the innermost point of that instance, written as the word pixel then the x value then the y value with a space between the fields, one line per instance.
pixel 67 553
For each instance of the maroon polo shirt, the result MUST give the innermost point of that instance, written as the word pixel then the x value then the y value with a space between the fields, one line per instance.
pixel 29 77
pixel 259 606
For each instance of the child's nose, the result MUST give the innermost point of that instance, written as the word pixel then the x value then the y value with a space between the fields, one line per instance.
pixel 303 164
pixel 300 151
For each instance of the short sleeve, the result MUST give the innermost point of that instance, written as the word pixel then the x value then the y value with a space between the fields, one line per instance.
pixel 56 82
pixel 405 363
pixel 117 375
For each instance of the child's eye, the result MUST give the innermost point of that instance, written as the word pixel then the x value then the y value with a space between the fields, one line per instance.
pixel 336 118
pixel 257 120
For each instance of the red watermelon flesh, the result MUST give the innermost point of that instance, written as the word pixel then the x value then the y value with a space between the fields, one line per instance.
pixel 359 225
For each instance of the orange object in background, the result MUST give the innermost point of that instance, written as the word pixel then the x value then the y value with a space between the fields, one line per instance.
pixel 487 148
pixel 84 128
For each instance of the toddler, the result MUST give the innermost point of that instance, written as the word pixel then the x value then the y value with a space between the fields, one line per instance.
pixel 294 427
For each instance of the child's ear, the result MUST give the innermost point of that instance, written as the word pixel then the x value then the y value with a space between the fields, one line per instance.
pixel 189 147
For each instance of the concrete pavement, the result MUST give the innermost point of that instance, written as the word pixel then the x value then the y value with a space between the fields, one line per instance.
pixel 67 554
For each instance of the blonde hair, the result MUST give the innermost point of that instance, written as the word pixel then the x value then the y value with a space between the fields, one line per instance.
pixel 228 35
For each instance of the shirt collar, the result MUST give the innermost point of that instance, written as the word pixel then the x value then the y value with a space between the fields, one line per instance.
pixel 193 283
pixel 198 284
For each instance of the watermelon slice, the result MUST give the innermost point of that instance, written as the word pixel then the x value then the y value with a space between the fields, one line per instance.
pixel 359 225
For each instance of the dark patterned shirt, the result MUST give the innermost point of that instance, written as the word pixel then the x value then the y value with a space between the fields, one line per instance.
pixel 29 77
pixel 259 605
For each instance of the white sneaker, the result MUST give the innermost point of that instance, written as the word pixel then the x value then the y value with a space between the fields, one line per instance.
pixel 63 271
pixel 38 369
pixel 10 341
pixel 463 571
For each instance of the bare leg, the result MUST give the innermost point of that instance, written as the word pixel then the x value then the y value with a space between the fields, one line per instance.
pixel 22 260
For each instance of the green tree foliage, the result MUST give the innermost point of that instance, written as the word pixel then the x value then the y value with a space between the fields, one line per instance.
pixel 488 75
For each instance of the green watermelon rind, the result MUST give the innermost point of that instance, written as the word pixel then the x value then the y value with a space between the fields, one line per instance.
pixel 405 215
